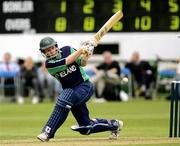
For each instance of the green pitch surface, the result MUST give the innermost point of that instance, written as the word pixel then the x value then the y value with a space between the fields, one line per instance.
pixel 145 123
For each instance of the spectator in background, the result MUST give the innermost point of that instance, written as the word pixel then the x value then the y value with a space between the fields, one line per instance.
pixel 48 85
pixel 143 75
pixel 29 80
pixel 8 66
pixel 107 78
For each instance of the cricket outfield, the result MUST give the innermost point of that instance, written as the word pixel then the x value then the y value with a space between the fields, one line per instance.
pixel 145 123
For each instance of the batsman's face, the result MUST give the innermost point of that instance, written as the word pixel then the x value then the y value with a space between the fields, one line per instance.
pixel 51 52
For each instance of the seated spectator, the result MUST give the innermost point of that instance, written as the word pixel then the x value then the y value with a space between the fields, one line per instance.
pixel 48 85
pixel 107 78
pixel 143 75
pixel 29 80
pixel 8 66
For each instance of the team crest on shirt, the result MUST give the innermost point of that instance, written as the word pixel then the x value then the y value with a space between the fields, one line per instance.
pixel 69 70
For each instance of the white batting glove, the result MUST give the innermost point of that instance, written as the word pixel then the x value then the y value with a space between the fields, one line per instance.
pixel 89 48
pixel 91 42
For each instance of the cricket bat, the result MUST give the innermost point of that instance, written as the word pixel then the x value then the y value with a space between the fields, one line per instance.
pixel 108 25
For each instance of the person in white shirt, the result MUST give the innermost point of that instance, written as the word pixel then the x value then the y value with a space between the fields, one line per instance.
pixel 7 67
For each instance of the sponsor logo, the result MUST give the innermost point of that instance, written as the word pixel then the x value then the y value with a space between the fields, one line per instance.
pixel 47 129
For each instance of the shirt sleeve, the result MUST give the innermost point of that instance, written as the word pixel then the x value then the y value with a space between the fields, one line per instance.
pixel 78 60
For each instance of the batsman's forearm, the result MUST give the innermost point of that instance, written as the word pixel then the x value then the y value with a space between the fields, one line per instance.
pixel 71 58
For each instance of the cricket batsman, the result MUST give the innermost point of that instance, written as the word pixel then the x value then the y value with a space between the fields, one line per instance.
pixel 65 64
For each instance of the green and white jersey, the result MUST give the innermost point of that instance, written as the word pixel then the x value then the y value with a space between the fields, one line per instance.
pixel 69 75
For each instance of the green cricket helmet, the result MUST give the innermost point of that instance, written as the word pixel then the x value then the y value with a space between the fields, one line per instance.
pixel 48 42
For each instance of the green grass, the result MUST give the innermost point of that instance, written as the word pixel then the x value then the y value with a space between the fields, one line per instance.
pixel 143 120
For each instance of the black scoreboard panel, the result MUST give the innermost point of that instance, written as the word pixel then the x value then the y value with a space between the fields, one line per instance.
pixel 61 16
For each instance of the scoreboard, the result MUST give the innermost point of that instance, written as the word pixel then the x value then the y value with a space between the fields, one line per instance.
pixel 68 16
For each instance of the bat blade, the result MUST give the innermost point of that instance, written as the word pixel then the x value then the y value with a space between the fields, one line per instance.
pixel 108 25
